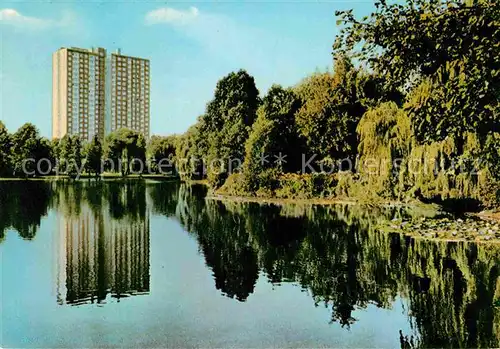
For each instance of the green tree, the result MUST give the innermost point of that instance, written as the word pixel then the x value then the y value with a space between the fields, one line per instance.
pixel 160 148
pixel 138 154
pixel 448 48
pixel 44 156
pixel 226 123
pixel 331 111
pixel 64 150
pixel 5 151
pixel 274 142
pixel 113 152
pixel 190 152
pixel 24 150
pixel 124 145
pixel 94 156
pixel 55 145
pixel 75 159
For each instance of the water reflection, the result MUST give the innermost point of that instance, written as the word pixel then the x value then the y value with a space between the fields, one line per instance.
pixel 103 241
pixel 334 253
pixel 450 291
pixel 22 205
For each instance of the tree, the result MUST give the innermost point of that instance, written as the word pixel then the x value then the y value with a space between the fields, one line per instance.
pixel 75 159
pixel 5 151
pixel 55 145
pixel 274 142
pixel 161 148
pixel 235 90
pixel 331 111
pixel 191 148
pixel 44 156
pixel 138 154
pixel 24 149
pixel 94 156
pixel 226 123
pixel 64 150
pixel 448 48
pixel 113 152
pixel 124 145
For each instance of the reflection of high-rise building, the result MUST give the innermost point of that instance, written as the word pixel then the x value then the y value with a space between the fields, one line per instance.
pixel 78 91
pixel 100 256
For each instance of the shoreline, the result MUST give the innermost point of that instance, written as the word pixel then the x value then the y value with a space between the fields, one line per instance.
pixel 475 228
pixel 313 201
pixel 449 235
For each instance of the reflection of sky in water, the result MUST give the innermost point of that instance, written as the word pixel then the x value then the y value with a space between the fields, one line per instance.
pixel 182 282
pixel 182 309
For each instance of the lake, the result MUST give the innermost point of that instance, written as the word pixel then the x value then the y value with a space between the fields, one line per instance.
pixel 158 264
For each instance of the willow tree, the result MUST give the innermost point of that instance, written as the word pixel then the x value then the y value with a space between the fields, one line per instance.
pixel 385 142
pixel 449 48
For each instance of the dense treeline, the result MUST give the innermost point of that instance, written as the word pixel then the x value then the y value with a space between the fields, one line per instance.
pixel 411 110
pixel 26 154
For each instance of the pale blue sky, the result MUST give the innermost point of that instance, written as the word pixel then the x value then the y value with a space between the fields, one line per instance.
pixel 191 45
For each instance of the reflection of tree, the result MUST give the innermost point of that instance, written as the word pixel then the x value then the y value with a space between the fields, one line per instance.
pixel 126 198
pixel 100 254
pixel 22 205
pixel 335 253
pixel 451 291
pixel 164 195
pixel 224 243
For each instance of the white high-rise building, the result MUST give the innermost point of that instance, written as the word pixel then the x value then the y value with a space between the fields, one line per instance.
pixel 78 92
pixel 93 94
pixel 128 93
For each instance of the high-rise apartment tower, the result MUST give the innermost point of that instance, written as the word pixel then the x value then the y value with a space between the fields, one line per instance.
pixel 94 94
pixel 128 101
pixel 78 92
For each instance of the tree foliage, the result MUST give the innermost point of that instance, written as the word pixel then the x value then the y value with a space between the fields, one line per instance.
pixel 448 48
pixel 122 146
pixel 274 141
pixel 331 110
pixel 5 151
pixel 94 154
pixel 191 148
pixel 162 150
pixel 28 148
pixel 75 157
pixel 227 122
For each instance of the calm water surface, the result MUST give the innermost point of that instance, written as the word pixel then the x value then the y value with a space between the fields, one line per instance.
pixel 140 264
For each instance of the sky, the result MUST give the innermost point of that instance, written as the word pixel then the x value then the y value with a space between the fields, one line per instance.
pixel 191 45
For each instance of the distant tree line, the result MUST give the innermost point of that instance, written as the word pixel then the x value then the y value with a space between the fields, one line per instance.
pixel 26 154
